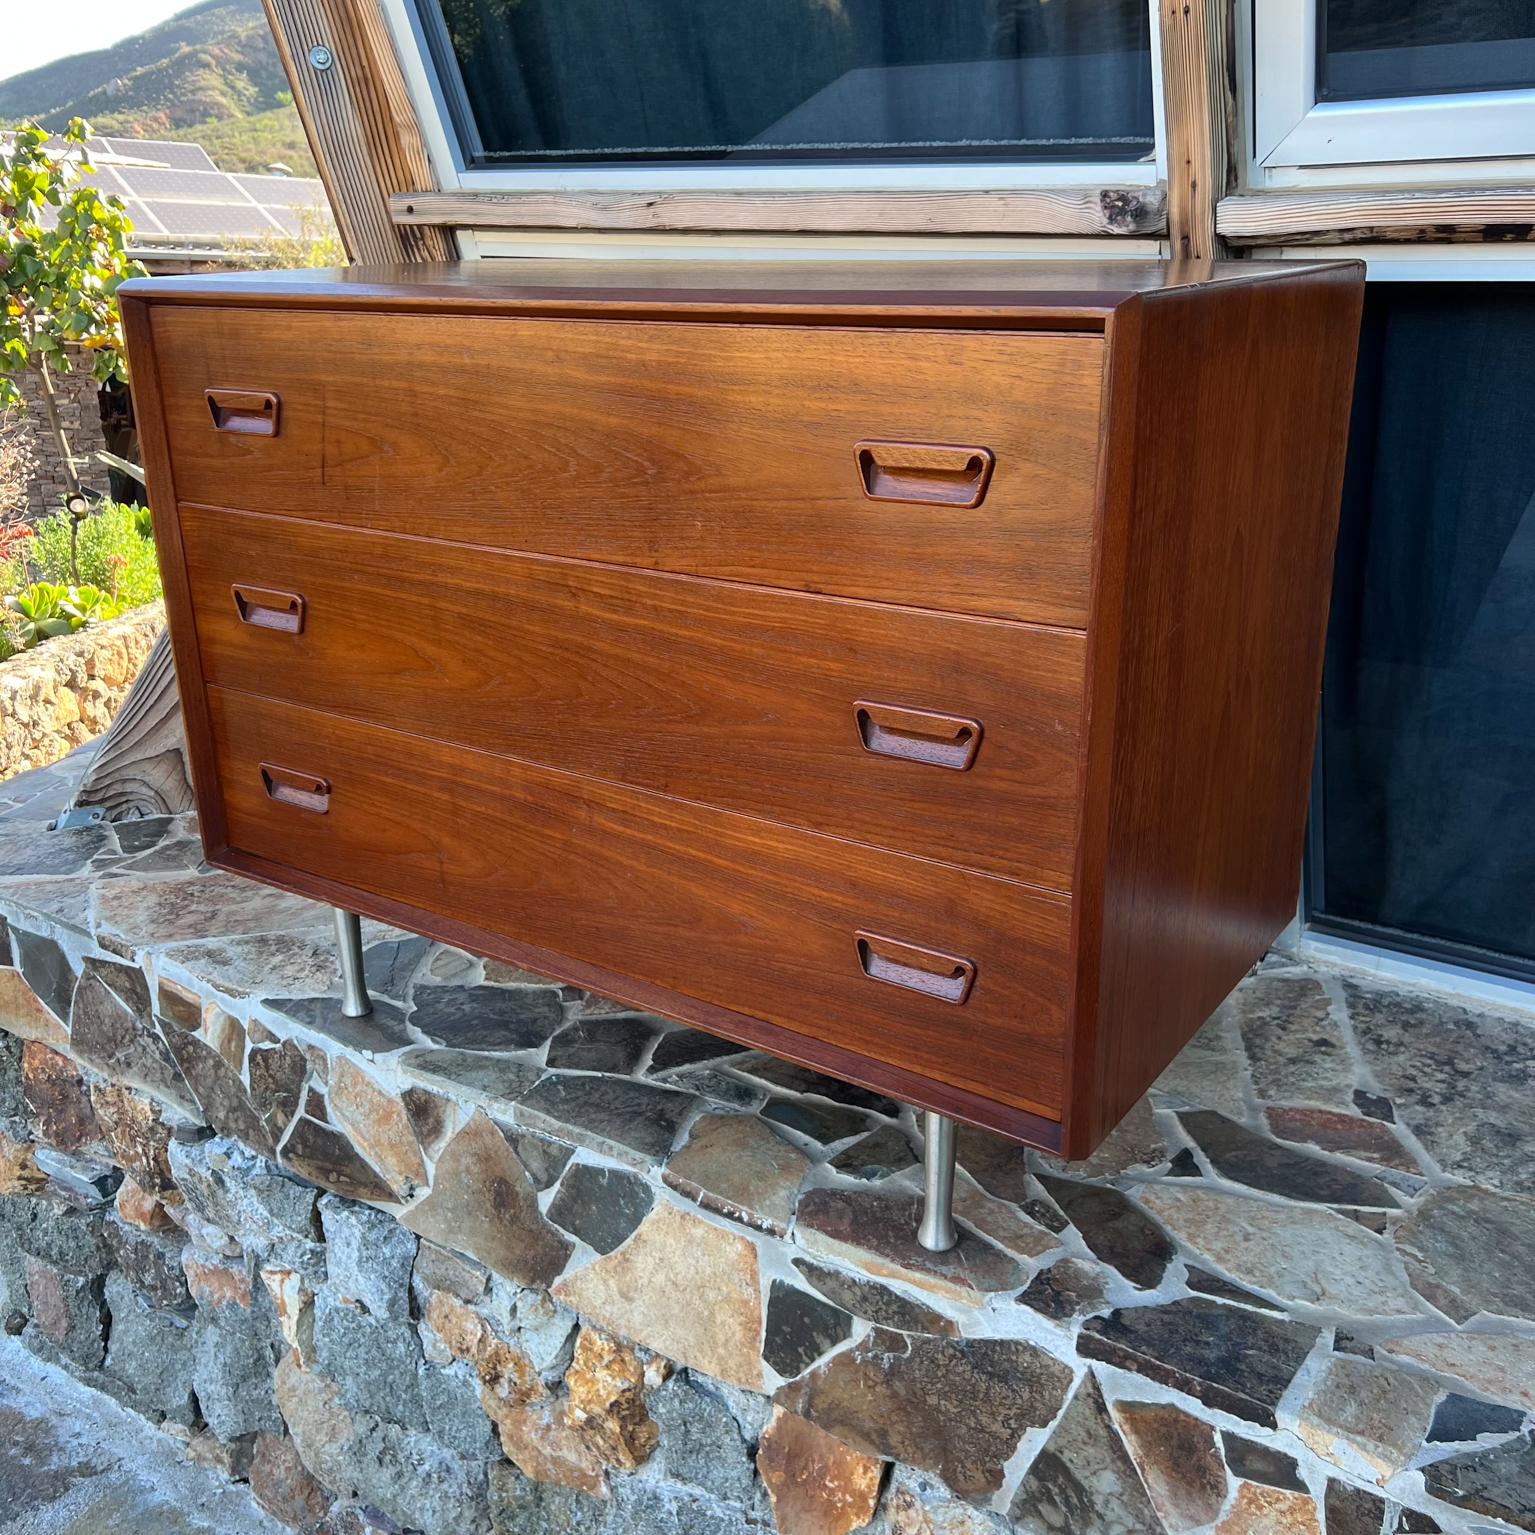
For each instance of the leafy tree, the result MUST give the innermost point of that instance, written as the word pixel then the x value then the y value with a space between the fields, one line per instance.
pixel 62 258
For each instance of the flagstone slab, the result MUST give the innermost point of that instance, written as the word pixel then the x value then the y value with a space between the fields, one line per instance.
pixel 636 1122
pixel 1178 1462
pixel 266 964
pixel 375 1122
pixel 690 1047
pixel 494 1082
pixel 22 1013
pixel 150 912
pixel 316 1152
pixel 1116 1230
pixel 1210 1072
pixel 955 1407
pixel 381 1031
pixel 1299 1254
pixel 1499 1483
pixel 875 1302
pixel 1476 1249
pixel 1296 1048
pixel 1462 1420
pixel 1365 1415
pixel 487 1017
pixel 735 1165
pixel 800 1328
pixel 1495 1365
pixel 46 969
pixel 612 1045
pixel 602 1205
pixel 1350 1135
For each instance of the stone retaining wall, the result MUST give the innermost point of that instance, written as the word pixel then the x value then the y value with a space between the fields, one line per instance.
pixel 505 1257
pixel 80 412
pixel 67 690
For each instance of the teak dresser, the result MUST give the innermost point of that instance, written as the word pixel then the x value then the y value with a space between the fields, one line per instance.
pixel 907 670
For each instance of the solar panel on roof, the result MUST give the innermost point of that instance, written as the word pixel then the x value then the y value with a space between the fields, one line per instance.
pixel 211 220
pixel 183 157
pixel 284 191
pixel 178 186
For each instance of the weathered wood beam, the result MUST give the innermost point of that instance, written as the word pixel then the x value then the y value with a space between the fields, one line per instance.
pixel 1199 101
pixel 360 122
pixel 1432 215
pixel 1081 211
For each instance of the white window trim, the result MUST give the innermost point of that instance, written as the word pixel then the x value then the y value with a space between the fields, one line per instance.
pixel 453 174
pixel 1293 132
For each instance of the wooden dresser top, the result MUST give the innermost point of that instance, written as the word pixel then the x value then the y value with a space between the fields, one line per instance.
pixel 1071 295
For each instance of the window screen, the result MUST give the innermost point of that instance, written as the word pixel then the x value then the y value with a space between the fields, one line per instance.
pixel 793 80
pixel 1384 48
pixel 1424 817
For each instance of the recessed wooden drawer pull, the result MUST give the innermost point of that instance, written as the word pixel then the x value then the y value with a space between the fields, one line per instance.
pixel 246 412
pixel 944 976
pixel 303 790
pixel 926 472
pixel 264 609
pixel 940 740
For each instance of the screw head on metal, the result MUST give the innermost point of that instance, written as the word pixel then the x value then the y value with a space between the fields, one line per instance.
pixel 320 57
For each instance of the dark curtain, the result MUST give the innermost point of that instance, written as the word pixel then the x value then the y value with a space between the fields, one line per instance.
pixel 631 77
pixel 1428 747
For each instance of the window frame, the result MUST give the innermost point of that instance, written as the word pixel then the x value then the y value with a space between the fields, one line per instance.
pixel 1296 140
pixel 436 94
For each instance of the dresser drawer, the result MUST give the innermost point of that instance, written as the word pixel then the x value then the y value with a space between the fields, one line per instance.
pixel 954 738
pixel 946 469
pixel 750 916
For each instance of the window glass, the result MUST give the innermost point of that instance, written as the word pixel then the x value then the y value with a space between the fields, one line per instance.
pixel 795 80
pixel 1424 823
pixel 1377 48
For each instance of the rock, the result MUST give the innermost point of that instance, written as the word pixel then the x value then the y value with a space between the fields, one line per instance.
pixel 877 1156
pixel 520 1506
pixel 455 1415
pixel 612 1045
pixel 439 1268
pixel 1298 1254
pixel 316 1152
pixel 487 1017
pixel 634 1122
pixel 225 1035
pixel 1464 1082
pixel 1234 1360
pixel 719 1087
pixel 55 1093
pixel 1069 1288
pixel 818 1485
pixel 293 1306
pixel 46 1229
pixel 653 1508
pixel 146 912
pixel 1177 1459
pixel 915 1505
pixel 462 1333
pixel 405 1475
pixel 1004 1223
pixel 827 1124
pixel 216 1281
pixel 369 1256
pixel 701 1443
pixel 276 1074
pixel 1250 1461
pixel 1204 1283
pixel 178 1004
pixel 1366 1417
pixel 23 1015
pixel 483 1204
pixel 381 1032
pixel 282 1485
pixel 150 1356
pixel 375 1361
pixel 1492 1365
pixel 1499 1483
pixel 877 1232
pixel 800 1328
pixel 539 1440
pixel 1135 1144
pixel 1368 1140
pixel 543 1157
pixel 606 1401
pixel 1476 1251
pixel 84 1181
pixel 789 1077
pixel 1268 1511
pixel 1116 1231
pixel 219 1091
pixel 875 1302
pixel 136 1135
pixel 601 1205
pixel 734 1165
pixel 48 974
pixel 1295 1046
pixel 955 1407
pixel 431 1118
pixel 1461 1419
pixel 1083 1479
pixel 245 1195
pixel 689 1047
pixel 68 1310
pixel 19 1172
pixel 387 967
pixel 1352 1510
pixel 683 1287
pixel 111 1030
pixel 150 1262
pixel 494 1082
pixel 1244 1157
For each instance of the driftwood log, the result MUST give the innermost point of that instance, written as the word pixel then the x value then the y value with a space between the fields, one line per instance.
pixel 140 768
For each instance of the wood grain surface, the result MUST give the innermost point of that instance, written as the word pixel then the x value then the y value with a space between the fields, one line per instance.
pixel 712 450
pixel 735 696
pixel 725 908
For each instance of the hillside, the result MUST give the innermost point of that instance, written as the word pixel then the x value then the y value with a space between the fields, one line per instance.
pixel 210 75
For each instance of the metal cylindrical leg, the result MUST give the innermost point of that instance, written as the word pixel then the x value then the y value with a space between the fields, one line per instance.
pixel 937 1233
pixel 354 989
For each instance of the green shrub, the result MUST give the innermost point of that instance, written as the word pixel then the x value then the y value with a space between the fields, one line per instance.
pixel 117 554
pixel 46 610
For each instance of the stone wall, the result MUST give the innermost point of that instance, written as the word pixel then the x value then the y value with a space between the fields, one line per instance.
pixel 67 690
pixel 506 1257
pixel 76 392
